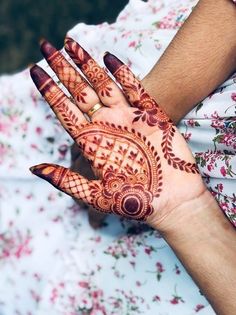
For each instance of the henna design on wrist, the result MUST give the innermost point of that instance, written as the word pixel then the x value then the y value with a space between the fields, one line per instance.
pixel 93 72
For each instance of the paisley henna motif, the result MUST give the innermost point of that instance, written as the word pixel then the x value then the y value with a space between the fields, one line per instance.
pixel 93 72
pixel 131 171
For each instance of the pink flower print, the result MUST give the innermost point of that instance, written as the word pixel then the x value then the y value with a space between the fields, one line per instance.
pixel 219 187
pixel 233 96
pixel 217 123
pixel 191 123
pixel 38 130
pixel 177 270
pixel 187 136
pixel 97 294
pixel 215 115
pixel 54 295
pixel 132 44
pixel 174 300
pixel 83 284
pixel 199 307
pixel 223 171
pixel 156 298
pixel 5 128
pixel 148 250
pixel 97 312
pixel 210 167
pixel 224 206
pixel 160 267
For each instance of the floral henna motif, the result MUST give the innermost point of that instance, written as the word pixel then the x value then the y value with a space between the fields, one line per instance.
pixel 122 196
pixel 93 72
pixel 148 110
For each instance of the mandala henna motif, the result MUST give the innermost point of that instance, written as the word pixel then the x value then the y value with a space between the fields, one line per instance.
pixel 93 72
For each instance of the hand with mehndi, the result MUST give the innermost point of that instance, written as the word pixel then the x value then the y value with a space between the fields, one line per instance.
pixel 143 165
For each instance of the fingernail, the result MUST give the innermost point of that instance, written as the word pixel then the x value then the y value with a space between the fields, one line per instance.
pixel 112 62
pixel 45 171
pixel 47 49
pixel 41 40
pixel 30 65
pixel 68 39
pixel 38 75
pixel 105 53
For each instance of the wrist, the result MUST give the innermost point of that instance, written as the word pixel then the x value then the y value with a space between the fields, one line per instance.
pixel 193 220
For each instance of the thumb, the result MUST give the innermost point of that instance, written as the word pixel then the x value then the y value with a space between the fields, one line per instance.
pixel 68 181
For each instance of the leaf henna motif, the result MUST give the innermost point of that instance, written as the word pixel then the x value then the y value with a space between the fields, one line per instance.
pixel 93 72
pixel 172 160
pixel 129 180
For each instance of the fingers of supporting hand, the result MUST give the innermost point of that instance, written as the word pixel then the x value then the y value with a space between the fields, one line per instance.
pixel 66 111
pixel 67 181
pixel 79 88
pixel 107 90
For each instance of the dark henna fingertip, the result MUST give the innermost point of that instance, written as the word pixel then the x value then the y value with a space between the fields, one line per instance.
pixel 112 62
pixel 47 49
pixel 39 76
pixel 49 172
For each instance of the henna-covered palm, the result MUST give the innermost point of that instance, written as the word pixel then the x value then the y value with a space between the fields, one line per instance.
pixel 143 164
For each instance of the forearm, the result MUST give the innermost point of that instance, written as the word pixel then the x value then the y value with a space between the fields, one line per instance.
pixel 205 242
pixel 200 57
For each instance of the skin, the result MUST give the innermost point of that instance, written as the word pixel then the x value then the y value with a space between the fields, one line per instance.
pixel 193 225
pixel 201 56
pixel 136 170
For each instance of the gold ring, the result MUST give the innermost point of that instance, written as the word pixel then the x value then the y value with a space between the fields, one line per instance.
pixel 93 110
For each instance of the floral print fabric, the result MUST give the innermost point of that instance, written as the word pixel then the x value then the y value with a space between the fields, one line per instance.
pixel 51 260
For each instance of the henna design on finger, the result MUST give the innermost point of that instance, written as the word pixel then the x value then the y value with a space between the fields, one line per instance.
pixel 93 72
pixel 72 80
pixel 66 180
pixel 147 109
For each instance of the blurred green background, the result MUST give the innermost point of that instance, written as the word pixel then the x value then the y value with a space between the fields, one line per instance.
pixel 24 22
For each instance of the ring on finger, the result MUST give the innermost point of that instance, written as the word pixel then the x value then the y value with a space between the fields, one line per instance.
pixel 94 109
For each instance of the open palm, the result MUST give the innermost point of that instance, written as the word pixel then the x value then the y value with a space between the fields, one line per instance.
pixel 143 164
